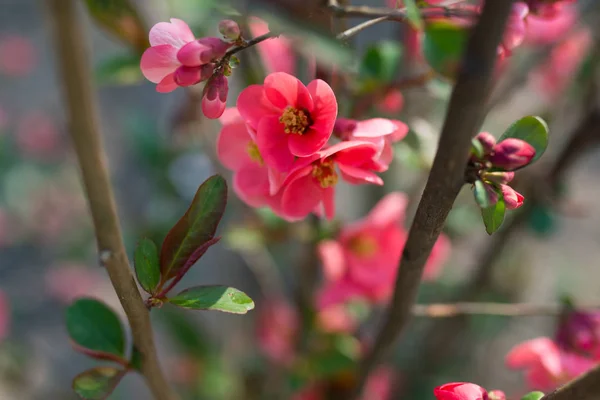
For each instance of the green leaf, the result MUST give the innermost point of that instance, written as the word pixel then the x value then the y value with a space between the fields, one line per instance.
pixel 135 360
pixel 533 396
pixel 147 265
pixel 493 216
pixel 97 383
pixel 413 14
pixel 217 298
pixel 532 130
pixel 94 326
pixel 443 45
pixel 196 228
pixel 120 70
pixel 381 62
pixel 121 19
pixel 481 195
pixel 477 148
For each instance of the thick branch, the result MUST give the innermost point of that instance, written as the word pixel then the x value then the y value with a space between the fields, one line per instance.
pixel 464 116
pixel 586 387
pixel 79 93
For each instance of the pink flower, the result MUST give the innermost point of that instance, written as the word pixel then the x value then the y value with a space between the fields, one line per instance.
pixel 310 185
pixel 202 51
pixel 18 56
pixel 512 153
pixel 277 53
pixel 237 150
pixel 514 34
pixel 545 365
pixel 512 198
pixel 291 120
pixel 487 140
pixel 392 102
pixel 363 261
pixel 214 99
pixel 379 384
pixel 378 131
pixel 336 318
pixel 579 332
pixel 548 23
pixel 68 282
pixel 4 316
pixel 465 391
pixel 277 327
pixel 38 136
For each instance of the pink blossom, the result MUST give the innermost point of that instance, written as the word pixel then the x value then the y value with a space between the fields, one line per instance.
pixel 4 316
pixel 336 318
pixel 363 261
pixel 392 102
pixel 579 332
pixel 18 56
pixel 291 120
pixel 277 327
pixel 378 131
pixel 277 53
pixel 487 140
pixel 511 154
pixel 310 185
pixel 512 198
pixel 229 29
pixel 465 391
pixel 550 23
pixel 202 51
pixel 214 99
pixel 379 385
pixel 546 365
pixel 514 35
pixel 68 282
pixel 37 135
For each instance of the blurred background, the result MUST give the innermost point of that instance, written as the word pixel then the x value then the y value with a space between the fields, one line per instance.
pixel 160 149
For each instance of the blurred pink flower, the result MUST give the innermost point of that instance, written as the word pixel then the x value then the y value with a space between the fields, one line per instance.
pixel 277 328
pixel 336 318
pixel 184 370
pixel 379 385
pixel 4 316
pixel 579 332
pixel 552 25
pixel 466 391
pixel 68 282
pixel 38 136
pixel 277 53
pixel 553 77
pixel 290 119
pixel 392 102
pixel 18 56
pixel 363 261
pixel 546 365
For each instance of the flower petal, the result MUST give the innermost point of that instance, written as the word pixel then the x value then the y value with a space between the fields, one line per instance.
pixel 232 145
pixel 158 62
pixel 331 254
pixel 357 176
pixel 325 109
pixel 167 85
pixel 253 104
pixel 284 90
pixel 308 143
pixel 176 33
pixel 390 209
pixel 272 143
pixel 351 152
pixel 374 127
pixel 251 184
pixel 301 196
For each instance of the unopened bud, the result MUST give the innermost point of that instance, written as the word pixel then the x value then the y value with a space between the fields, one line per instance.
pixel 202 51
pixel 188 76
pixel 499 177
pixel 344 127
pixel 214 99
pixel 487 141
pixel 229 29
pixel 512 198
pixel 492 194
pixel 512 153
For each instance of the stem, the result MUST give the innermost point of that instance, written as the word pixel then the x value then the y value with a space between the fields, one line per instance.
pixel 79 93
pixel 398 14
pixel 585 387
pixel 465 112
pixel 250 43
pixel 497 309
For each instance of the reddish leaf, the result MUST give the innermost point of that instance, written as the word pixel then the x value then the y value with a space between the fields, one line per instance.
pixel 99 355
pixel 196 228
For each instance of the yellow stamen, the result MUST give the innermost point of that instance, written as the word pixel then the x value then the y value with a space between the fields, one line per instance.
pixel 254 153
pixel 325 174
pixel 295 120
pixel 363 245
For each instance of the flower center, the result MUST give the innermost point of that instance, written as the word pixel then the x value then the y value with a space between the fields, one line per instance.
pixel 254 153
pixel 295 120
pixel 363 245
pixel 324 173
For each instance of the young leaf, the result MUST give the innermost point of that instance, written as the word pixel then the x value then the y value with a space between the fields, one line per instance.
pixel 97 383
pixel 532 130
pixel 413 14
pixel 147 265
pixel 477 148
pixel 217 298
pixel 481 195
pixel 533 396
pixel 120 70
pixel 195 228
pixel 94 326
pixel 443 45
pixel 493 216
pixel 381 62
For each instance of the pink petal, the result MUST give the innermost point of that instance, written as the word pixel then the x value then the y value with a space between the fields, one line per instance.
pixel 308 143
pixel 350 152
pixel 373 128
pixel 357 176
pixel 437 258
pixel 277 53
pixel 325 109
pixel 177 33
pixel 460 391
pixel 253 104
pixel 251 184
pixel 331 254
pixel 301 196
pixel 167 84
pixel 272 142
pixel 230 116
pixel 400 132
pixel 232 145
pixel 158 62
pixel 329 202
pixel 338 292
pixel 390 209
pixel 532 352
pixel 285 90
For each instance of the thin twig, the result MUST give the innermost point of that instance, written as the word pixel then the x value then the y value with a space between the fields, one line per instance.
pixel 348 33
pixel 397 14
pixel 250 43
pixel 498 309
pixel 585 387
pixel 464 116
pixel 76 75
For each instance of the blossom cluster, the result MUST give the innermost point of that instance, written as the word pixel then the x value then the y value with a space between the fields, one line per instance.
pixel 466 391
pixel 288 149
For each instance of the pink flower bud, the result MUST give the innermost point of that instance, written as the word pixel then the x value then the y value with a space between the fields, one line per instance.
pixel 188 76
pixel 512 198
pixel 202 51
pixel 499 177
pixel 512 153
pixel 487 141
pixel 215 97
pixel 344 127
pixel 229 29
pixel 492 194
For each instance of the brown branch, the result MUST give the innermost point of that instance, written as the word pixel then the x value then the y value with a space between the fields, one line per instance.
pixel 396 14
pixel 79 92
pixel 585 387
pixel 497 309
pixel 464 116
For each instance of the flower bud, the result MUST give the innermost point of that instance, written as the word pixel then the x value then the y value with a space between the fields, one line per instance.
pixel 487 141
pixel 512 153
pixel 229 29
pixel 215 97
pixel 499 177
pixel 344 127
pixel 512 198
pixel 188 76
pixel 492 194
pixel 580 332
pixel 202 51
